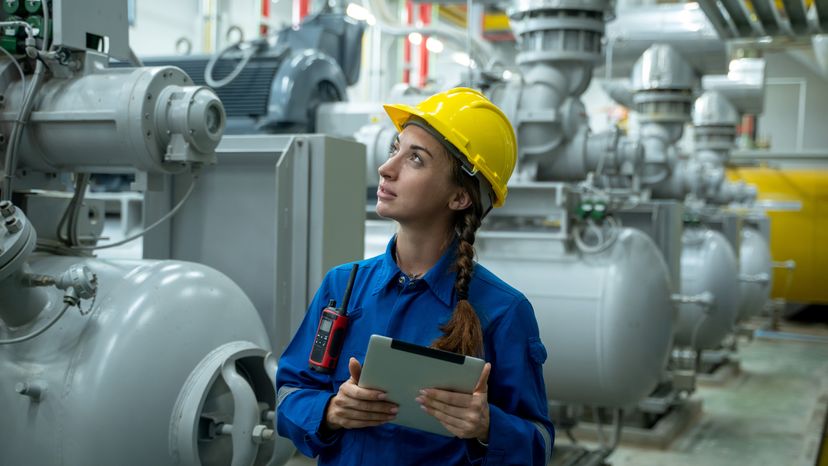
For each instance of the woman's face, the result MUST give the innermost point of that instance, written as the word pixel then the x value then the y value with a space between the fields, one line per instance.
pixel 415 182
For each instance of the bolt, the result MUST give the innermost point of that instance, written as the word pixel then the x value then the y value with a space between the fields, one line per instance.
pixel 13 225
pixel 6 208
pixel 262 434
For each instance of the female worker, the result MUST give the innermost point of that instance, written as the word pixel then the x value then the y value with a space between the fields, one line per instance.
pixel 449 166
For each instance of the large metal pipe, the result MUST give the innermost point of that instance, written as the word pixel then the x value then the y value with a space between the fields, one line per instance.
pixel 558 48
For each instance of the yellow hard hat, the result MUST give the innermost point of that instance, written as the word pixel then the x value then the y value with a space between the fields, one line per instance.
pixel 472 124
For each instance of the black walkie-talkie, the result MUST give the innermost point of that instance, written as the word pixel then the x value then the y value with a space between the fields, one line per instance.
pixel 330 333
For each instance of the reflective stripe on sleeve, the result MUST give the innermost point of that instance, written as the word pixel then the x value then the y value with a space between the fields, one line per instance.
pixel 547 440
pixel 284 392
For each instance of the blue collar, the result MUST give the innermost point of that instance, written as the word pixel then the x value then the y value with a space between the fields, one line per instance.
pixel 440 278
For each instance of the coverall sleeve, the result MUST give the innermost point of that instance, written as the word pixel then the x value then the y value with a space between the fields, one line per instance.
pixel 302 393
pixel 520 432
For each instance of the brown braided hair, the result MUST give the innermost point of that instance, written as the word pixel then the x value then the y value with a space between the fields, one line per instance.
pixel 463 333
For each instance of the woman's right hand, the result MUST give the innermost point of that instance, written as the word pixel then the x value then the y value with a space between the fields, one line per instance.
pixel 353 406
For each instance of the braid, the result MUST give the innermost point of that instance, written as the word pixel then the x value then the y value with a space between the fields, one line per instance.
pixel 463 333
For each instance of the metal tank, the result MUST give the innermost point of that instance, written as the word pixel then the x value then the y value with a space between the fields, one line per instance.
pixel 708 264
pixel 756 272
pixel 168 352
pixel 607 341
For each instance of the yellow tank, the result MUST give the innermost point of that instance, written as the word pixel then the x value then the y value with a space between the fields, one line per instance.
pixel 800 235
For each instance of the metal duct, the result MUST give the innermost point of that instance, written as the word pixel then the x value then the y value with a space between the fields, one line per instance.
pixel 683 27
pixel 743 85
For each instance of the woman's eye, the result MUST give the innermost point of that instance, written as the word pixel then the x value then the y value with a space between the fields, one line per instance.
pixel 393 149
pixel 415 157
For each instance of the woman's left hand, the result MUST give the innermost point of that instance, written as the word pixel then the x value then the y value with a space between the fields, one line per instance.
pixel 464 415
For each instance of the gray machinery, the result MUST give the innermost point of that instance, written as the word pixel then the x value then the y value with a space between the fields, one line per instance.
pixel 755 265
pixel 559 44
pixel 714 121
pixel 596 286
pixel 662 85
pixel 275 84
pixel 578 263
pixel 128 362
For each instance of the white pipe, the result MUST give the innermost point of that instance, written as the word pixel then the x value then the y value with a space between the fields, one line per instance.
pixel 483 53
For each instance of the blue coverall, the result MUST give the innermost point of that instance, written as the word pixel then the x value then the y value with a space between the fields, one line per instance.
pixel 385 301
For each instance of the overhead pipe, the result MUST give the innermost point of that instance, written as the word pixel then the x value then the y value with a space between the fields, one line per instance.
pixel 301 8
pixel 264 25
pixel 558 48
pixel 739 16
pixel 717 19
pixel 796 15
pixel 409 14
pixel 481 52
pixel 767 16
pixel 821 10
pixel 681 26
pixel 425 19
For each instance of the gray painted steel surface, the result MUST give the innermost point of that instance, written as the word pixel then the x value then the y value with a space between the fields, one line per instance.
pixel 713 109
pixel 708 264
pixel 133 119
pixel 111 378
pixel 661 67
pixel 606 319
pixel 756 272
pixel 274 214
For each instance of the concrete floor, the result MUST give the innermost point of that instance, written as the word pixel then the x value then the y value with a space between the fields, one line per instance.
pixel 771 414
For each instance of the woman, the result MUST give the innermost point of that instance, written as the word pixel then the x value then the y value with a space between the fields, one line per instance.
pixel 448 167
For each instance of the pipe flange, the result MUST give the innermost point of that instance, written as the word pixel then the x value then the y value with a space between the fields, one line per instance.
pixel 17 239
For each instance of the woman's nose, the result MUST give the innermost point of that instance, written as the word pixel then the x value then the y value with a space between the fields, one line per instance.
pixel 388 169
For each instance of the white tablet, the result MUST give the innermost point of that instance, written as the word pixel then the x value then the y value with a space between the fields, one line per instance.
pixel 402 369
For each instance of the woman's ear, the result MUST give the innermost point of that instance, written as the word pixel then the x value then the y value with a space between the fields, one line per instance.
pixel 460 200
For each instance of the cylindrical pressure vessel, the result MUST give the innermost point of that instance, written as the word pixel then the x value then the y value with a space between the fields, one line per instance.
pixel 606 318
pixel 756 272
pixel 708 264
pixel 166 357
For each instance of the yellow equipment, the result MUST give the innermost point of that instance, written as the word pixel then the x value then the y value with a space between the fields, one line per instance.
pixel 801 235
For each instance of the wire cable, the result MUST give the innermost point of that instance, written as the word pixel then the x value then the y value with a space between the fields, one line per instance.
pixel 146 230
pixel 37 332
pixel 25 109
pixel 208 71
